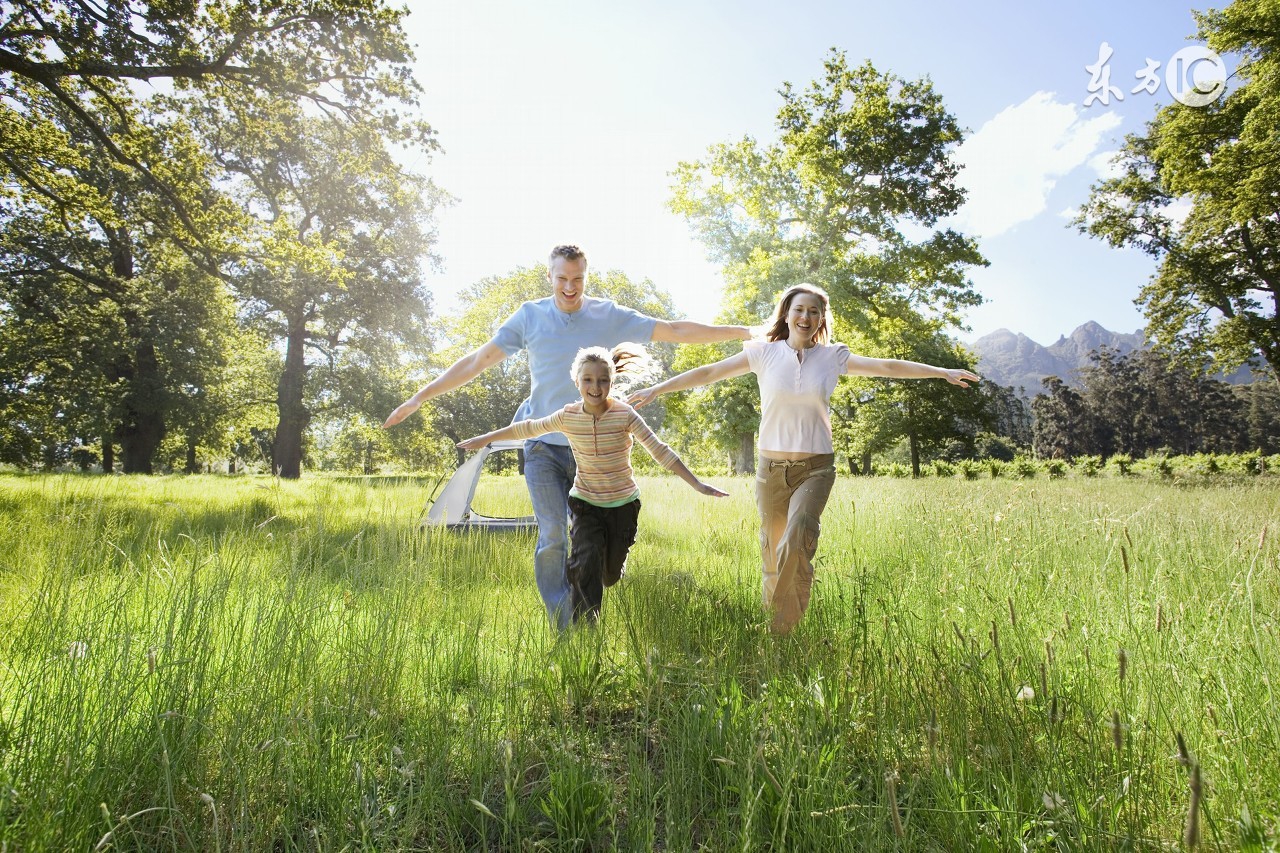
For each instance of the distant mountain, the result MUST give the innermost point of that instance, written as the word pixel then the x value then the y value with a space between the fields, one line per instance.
pixel 1014 359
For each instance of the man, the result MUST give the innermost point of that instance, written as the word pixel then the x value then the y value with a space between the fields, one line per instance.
pixel 552 330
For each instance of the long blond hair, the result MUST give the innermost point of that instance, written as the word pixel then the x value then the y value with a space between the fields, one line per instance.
pixel 778 330
pixel 628 360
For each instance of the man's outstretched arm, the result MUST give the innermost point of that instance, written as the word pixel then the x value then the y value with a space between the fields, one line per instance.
pixel 689 332
pixel 459 373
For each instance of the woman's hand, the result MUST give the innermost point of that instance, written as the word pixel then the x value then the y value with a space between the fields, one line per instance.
pixel 643 397
pixel 956 376
pixel 712 491
pixel 408 407
pixel 474 443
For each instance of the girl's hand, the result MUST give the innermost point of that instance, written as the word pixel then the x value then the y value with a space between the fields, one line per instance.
pixel 643 397
pixel 708 489
pixel 474 443
pixel 958 377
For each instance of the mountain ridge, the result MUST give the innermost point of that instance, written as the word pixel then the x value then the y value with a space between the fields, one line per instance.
pixel 1011 358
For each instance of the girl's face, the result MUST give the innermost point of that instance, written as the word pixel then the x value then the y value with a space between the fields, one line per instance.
pixel 804 318
pixel 594 383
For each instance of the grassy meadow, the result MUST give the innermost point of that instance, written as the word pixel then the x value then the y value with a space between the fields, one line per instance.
pixel 210 663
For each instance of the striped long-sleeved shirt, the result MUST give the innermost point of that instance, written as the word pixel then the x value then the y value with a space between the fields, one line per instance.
pixel 602 448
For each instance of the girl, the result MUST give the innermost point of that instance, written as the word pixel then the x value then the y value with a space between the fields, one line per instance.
pixel 797 368
pixel 604 503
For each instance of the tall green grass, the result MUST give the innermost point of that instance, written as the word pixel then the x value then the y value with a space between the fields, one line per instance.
pixel 243 664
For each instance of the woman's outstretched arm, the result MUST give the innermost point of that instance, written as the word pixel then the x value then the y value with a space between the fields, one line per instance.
pixel 734 365
pixel 893 368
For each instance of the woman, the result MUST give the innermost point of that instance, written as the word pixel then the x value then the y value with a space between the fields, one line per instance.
pixel 797 367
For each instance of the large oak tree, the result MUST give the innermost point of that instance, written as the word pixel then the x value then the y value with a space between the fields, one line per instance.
pixel 1213 301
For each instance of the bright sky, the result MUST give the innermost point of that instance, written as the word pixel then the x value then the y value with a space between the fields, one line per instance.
pixel 560 122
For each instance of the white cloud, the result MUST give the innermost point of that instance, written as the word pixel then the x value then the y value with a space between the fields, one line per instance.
pixel 1178 210
pixel 1014 161
pixel 1103 163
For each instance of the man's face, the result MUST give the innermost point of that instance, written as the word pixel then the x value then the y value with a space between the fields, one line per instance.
pixel 568 281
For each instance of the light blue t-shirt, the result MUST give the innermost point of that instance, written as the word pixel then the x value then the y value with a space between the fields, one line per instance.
pixel 552 338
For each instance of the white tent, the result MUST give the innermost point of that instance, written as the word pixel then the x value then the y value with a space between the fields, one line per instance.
pixel 452 508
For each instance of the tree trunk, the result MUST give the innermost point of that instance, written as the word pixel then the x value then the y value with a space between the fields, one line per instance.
pixel 231 465
pixel 866 463
pixel 915 454
pixel 368 457
pixel 286 450
pixel 743 459
pixel 143 428
pixel 193 466
pixel 108 455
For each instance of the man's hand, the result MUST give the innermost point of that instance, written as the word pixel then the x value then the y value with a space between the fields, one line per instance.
pixel 708 489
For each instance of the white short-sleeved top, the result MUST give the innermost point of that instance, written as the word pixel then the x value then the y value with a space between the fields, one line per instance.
pixel 795 394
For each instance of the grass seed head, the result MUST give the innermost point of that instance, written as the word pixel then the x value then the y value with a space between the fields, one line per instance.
pixel 1117 733
pixel 1191 835
pixel 151 660
pixel 1124 558
pixel 1183 757
pixel 1013 614
pixel 1044 681
pixel 891 782
pixel 1122 661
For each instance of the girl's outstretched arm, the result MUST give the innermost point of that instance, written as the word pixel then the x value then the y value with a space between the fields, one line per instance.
pixel 682 471
pixel 666 457
pixel 734 365
pixel 479 441
pixel 520 429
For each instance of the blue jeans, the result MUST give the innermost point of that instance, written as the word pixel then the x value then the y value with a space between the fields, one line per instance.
pixel 548 472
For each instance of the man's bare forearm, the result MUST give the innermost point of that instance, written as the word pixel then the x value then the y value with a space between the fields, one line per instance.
pixel 689 332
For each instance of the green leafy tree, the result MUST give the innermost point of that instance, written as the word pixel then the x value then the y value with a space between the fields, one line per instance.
pixel 860 156
pixel 876 413
pixel 1065 426
pixel 1214 297
pixel 87 247
pixel 343 57
pixel 339 231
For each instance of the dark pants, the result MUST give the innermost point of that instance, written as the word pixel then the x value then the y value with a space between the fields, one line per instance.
pixel 599 539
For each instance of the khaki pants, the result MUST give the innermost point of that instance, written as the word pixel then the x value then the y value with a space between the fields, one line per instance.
pixel 791 495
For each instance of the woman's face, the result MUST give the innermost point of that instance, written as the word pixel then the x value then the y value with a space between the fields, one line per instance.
pixel 594 383
pixel 804 318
